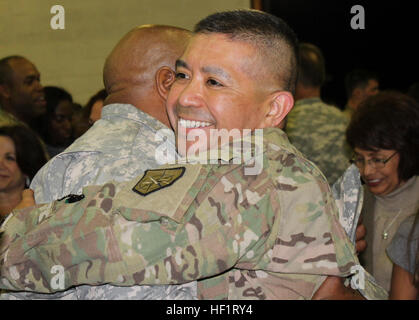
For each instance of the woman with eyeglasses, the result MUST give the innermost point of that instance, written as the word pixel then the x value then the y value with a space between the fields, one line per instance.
pixel 384 134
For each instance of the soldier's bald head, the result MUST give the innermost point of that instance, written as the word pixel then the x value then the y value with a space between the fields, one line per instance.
pixel 140 53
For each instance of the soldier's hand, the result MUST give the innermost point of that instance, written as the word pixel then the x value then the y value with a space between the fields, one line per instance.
pixel 28 199
pixel 361 231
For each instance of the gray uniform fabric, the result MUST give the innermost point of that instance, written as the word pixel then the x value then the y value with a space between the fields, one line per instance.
pixel 349 197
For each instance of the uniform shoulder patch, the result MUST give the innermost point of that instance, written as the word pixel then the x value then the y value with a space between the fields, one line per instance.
pixel 157 179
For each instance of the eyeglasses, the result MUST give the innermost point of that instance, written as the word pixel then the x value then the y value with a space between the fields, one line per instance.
pixel 374 162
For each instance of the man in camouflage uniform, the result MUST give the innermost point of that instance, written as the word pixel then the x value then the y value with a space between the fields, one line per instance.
pixel 122 144
pixel 271 235
pixel 314 127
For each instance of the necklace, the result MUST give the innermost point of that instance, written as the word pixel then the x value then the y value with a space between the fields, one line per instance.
pixel 385 232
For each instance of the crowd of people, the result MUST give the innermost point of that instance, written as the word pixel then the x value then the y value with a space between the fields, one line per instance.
pixel 47 111
pixel 125 227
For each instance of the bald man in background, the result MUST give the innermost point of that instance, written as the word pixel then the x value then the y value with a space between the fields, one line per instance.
pixel 121 145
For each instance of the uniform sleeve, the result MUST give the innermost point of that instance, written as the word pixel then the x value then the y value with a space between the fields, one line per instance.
pixel 66 174
pixel 98 240
pixel 50 181
pixel 28 236
pixel 40 186
pixel 311 238
pixel 348 194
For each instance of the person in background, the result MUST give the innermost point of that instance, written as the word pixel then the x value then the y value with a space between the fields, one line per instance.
pixel 95 105
pixel 77 107
pixel 359 85
pixel 79 122
pixel 384 134
pixel 22 96
pixel 56 130
pixel 404 253
pixel 83 119
pixel 314 127
pixel 21 156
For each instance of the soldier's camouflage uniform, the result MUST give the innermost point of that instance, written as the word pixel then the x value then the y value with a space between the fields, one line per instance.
pixel 120 146
pixel 317 130
pixel 275 235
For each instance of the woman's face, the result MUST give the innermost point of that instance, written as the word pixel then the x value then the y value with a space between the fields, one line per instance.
pixel 11 177
pixel 61 129
pixel 380 181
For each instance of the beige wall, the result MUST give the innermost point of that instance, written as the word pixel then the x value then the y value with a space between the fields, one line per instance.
pixel 73 58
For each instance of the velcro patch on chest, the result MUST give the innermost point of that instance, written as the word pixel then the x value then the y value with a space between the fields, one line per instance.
pixel 154 180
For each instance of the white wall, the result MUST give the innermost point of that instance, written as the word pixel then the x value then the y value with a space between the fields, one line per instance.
pixel 73 58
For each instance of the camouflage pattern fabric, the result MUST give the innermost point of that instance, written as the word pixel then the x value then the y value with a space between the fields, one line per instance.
pixel 275 235
pixel 318 131
pixel 186 291
pixel 120 146
pixel 349 197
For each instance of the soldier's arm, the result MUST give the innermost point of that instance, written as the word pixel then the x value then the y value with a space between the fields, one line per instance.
pixel 96 241
pixel 340 248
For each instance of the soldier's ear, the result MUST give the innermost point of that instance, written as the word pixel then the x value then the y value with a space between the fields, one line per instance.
pixel 164 80
pixel 280 104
